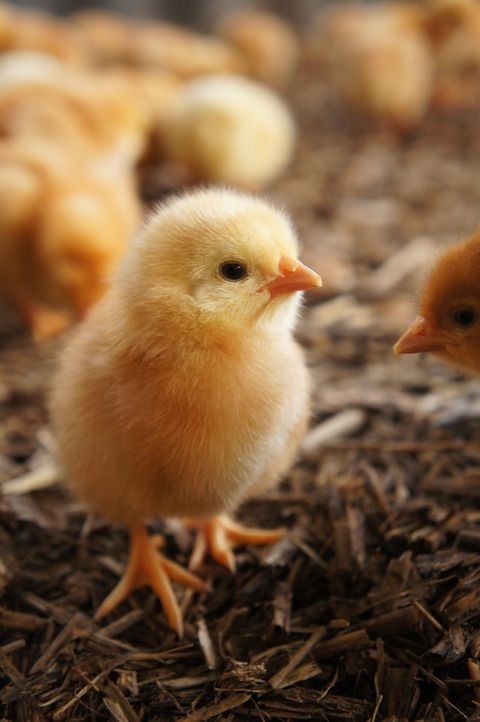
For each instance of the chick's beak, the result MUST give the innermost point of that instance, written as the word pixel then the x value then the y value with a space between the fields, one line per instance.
pixel 420 337
pixel 293 276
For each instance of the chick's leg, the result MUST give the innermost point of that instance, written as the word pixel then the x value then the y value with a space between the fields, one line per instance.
pixel 219 535
pixel 146 566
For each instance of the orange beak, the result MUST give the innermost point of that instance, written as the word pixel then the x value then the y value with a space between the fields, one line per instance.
pixel 420 337
pixel 294 276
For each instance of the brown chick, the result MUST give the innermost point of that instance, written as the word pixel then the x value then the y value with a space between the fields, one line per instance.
pixel 449 316
pixel 269 44
pixel 379 59
pixel 184 389
pixel 229 129
pixel 63 227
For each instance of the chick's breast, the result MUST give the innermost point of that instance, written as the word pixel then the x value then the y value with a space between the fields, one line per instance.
pixel 173 437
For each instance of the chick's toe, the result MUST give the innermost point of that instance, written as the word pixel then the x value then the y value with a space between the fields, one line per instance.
pixel 220 534
pixel 147 567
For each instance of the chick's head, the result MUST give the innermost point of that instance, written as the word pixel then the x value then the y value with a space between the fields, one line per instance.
pixel 219 259
pixel 448 324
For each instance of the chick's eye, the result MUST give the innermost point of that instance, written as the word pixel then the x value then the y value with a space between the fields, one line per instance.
pixel 233 271
pixel 464 317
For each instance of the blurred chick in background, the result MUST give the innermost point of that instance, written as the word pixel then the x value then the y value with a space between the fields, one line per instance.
pixel 112 39
pixel 268 44
pixel 63 226
pixel 105 36
pixel 184 390
pixel 95 115
pixel 448 324
pixel 22 29
pixel 454 29
pixel 229 129
pixel 378 58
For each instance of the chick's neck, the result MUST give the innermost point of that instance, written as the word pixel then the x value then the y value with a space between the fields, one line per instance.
pixel 178 332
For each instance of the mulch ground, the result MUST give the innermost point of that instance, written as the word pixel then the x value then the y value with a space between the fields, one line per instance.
pixel 370 608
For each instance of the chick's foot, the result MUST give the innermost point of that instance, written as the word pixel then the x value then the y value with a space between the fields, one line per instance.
pixel 219 535
pixel 146 566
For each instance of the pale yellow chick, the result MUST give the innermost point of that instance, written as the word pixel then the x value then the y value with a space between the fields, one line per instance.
pixel 379 58
pixel 268 44
pixel 231 130
pixel 184 390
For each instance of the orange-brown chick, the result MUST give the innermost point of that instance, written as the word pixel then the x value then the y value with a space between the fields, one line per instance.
pixel 268 44
pixel 379 59
pixel 64 225
pixel 448 324
pixel 184 389
pixel 229 129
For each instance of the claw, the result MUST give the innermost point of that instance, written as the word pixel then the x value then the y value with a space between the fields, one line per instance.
pixel 147 567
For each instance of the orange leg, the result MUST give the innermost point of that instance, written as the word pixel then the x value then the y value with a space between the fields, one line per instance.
pixel 147 567
pixel 220 534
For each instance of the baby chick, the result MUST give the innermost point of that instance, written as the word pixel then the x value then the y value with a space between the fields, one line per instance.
pixel 229 129
pixel 268 44
pixel 63 226
pixel 449 320
pixel 184 389
pixel 22 29
pixel 182 51
pixel 379 59
pixel 90 114
pixel 454 29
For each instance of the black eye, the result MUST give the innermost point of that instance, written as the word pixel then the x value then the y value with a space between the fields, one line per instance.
pixel 232 271
pixel 464 316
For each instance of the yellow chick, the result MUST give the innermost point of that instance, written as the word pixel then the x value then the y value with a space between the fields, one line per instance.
pixel 111 38
pixel 182 51
pixel 105 35
pixel 184 389
pixel 99 116
pixel 454 29
pixel 268 44
pixel 22 29
pixel 229 129
pixel 379 59
pixel 63 227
